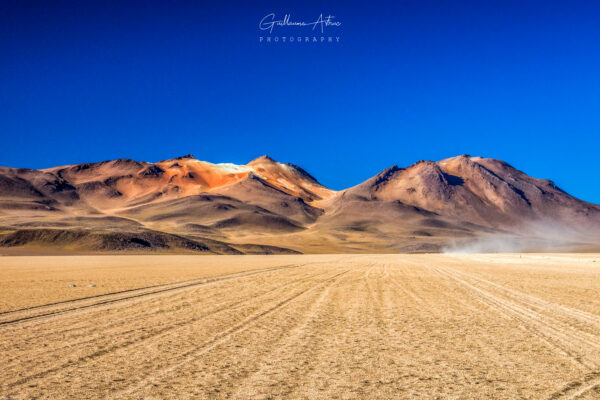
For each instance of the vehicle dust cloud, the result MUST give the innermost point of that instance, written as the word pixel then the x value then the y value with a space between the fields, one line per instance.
pixel 538 236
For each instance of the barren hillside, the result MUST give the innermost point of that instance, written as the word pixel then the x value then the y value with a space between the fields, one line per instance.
pixel 184 204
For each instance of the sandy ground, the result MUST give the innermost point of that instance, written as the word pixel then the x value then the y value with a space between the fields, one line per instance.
pixel 301 327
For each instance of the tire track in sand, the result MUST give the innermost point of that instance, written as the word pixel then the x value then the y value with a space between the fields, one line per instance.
pixel 542 309
pixel 108 300
pixel 563 338
pixel 299 345
pixel 220 338
pixel 170 329
pixel 538 303
pixel 578 388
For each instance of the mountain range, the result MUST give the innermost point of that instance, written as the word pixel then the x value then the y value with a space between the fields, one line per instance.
pixel 185 205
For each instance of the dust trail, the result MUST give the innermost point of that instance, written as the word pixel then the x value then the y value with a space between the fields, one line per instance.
pixel 533 236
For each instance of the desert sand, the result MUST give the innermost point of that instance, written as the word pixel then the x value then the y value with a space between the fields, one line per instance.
pixel 444 326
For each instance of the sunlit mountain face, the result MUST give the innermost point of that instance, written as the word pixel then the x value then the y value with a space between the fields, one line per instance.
pixel 428 206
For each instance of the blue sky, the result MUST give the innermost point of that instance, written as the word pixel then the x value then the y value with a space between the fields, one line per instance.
pixel 409 80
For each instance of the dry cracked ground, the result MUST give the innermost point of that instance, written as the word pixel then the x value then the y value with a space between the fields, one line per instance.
pixel 300 327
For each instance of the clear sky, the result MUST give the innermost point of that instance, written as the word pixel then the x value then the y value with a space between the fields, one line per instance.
pixel 87 81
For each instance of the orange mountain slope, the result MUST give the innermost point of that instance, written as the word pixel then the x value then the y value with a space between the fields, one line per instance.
pixel 423 207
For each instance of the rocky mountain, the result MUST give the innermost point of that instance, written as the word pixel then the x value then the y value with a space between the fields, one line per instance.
pixel 184 204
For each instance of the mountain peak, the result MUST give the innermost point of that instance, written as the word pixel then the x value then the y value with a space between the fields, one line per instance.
pixel 187 156
pixel 301 171
pixel 386 175
pixel 263 158
pixel 181 158
pixel 422 163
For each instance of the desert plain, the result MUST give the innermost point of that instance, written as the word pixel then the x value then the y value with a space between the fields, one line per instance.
pixel 431 326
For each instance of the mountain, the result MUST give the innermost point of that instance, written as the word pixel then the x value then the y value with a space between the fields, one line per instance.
pixel 461 200
pixel 481 191
pixel 188 205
